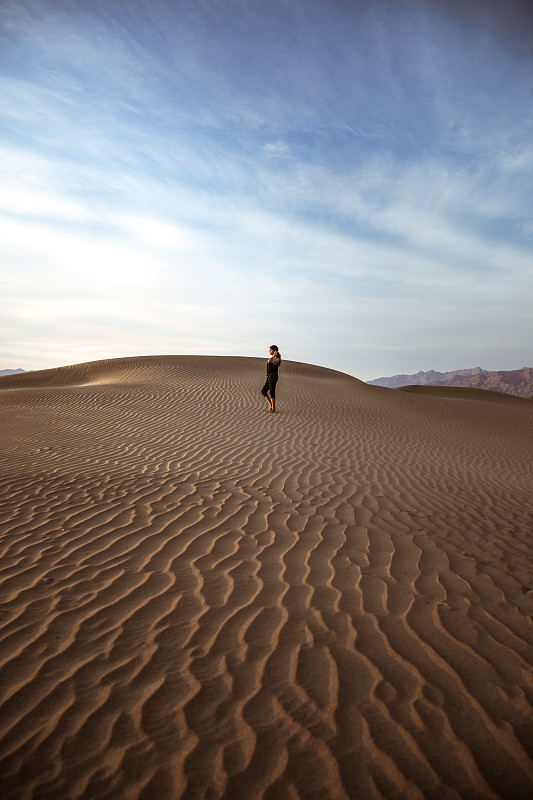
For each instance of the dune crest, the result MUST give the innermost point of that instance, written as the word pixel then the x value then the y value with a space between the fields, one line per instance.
pixel 200 599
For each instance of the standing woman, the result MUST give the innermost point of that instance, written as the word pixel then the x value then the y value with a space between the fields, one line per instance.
pixel 272 377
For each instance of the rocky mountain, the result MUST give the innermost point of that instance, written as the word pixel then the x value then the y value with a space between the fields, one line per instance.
pixel 518 381
pixel 424 378
pixel 10 371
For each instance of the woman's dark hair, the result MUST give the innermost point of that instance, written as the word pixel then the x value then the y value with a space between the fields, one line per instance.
pixel 275 347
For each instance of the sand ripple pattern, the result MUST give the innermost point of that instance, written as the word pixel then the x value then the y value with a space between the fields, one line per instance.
pixel 203 600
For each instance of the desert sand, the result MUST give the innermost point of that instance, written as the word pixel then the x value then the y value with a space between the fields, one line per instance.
pixel 203 600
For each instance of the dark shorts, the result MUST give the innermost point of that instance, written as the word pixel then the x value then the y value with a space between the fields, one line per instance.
pixel 270 385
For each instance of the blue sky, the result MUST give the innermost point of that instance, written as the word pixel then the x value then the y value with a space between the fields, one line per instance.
pixel 352 180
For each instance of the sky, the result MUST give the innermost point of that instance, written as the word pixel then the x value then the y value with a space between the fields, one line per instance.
pixel 348 179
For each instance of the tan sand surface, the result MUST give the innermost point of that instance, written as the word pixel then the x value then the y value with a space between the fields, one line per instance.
pixel 203 600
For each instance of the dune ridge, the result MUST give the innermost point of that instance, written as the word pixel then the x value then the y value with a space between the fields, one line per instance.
pixel 203 600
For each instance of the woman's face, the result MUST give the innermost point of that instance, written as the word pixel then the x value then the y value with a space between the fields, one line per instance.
pixel 271 351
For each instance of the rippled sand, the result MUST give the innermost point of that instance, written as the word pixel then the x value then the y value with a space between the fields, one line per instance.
pixel 203 600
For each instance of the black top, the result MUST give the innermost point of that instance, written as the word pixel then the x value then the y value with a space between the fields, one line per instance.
pixel 272 369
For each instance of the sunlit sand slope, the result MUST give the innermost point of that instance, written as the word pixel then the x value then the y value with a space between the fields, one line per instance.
pixel 203 600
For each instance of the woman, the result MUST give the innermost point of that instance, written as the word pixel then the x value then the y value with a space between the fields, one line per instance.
pixel 272 378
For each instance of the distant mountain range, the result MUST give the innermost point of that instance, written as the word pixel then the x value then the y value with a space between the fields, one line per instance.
pixel 515 381
pixel 10 371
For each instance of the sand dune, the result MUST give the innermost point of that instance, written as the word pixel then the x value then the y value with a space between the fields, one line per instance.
pixel 203 600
